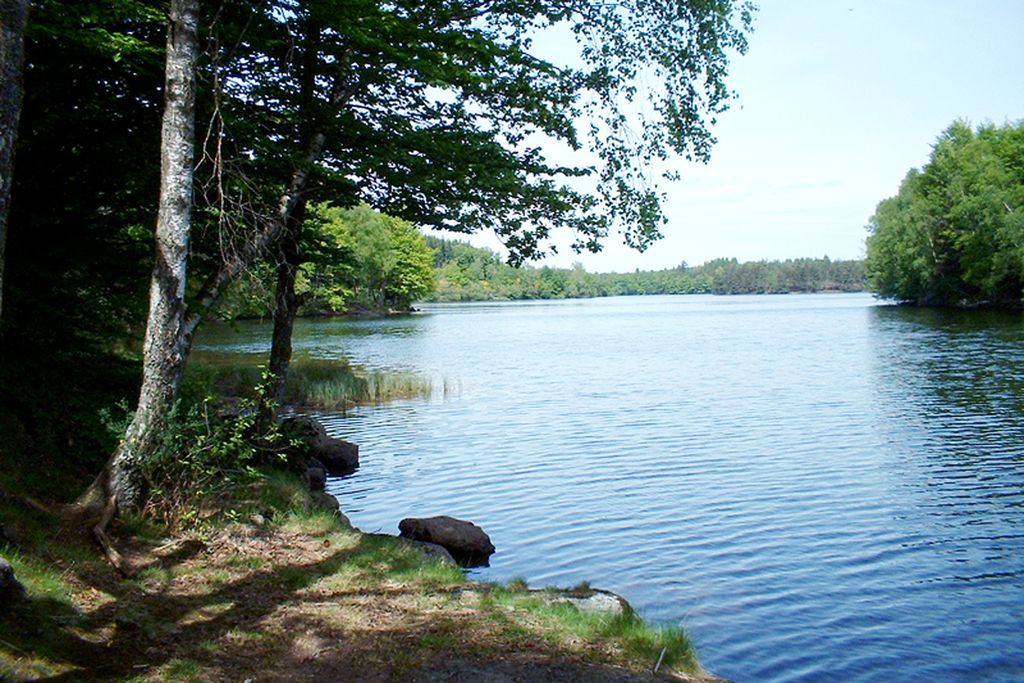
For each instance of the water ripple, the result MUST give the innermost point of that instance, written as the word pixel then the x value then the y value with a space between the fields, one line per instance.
pixel 817 488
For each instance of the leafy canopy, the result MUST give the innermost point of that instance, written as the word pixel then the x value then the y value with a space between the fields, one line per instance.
pixel 954 235
pixel 437 112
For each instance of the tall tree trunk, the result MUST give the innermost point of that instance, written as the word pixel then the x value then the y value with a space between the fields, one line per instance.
pixel 12 57
pixel 166 342
pixel 286 306
pixel 285 301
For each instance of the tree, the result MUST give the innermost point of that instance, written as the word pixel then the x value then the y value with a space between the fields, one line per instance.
pixel 12 56
pixel 429 111
pixel 165 347
pixel 392 264
pixel 433 106
pixel 953 235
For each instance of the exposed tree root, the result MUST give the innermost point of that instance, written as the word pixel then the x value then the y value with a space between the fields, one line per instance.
pixel 100 532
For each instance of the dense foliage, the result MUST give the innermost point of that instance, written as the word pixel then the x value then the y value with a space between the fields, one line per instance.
pixel 954 235
pixel 467 273
pixel 356 260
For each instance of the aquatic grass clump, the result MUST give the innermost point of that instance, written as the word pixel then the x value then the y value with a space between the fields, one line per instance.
pixel 312 382
pixel 336 385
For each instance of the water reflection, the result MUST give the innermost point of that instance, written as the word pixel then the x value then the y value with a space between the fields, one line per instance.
pixel 949 388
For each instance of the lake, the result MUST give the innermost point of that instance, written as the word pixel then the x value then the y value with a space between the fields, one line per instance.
pixel 817 487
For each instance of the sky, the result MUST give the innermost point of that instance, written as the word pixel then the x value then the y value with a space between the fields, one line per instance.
pixel 837 100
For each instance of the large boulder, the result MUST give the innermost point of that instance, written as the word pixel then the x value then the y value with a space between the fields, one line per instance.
pixel 338 456
pixel 466 542
pixel 311 441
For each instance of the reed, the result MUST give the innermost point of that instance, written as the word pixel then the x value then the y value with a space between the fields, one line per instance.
pixel 312 382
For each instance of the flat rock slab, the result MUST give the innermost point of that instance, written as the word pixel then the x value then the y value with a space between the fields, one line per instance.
pixel 466 542
pixel 588 601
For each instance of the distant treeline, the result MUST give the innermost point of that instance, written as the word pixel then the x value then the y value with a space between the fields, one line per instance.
pixel 468 273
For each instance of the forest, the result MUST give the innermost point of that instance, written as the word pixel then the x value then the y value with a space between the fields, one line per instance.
pixel 362 262
pixel 467 273
pixel 954 234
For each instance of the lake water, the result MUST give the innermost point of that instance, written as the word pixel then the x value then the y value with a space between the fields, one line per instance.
pixel 817 487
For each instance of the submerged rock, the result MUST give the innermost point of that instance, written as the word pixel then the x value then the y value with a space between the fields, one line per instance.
pixel 466 542
pixel 587 600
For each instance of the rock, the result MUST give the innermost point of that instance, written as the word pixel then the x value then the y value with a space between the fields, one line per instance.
pixel 466 542
pixel 433 551
pixel 331 504
pixel 338 456
pixel 317 475
pixel 10 587
pixel 344 520
pixel 326 501
pixel 588 600
pixel 305 429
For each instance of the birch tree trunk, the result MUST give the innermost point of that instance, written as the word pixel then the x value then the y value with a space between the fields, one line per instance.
pixel 12 57
pixel 166 341
pixel 171 327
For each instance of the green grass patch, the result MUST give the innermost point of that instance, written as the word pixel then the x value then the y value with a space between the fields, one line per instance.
pixel 139 526
pixel 33 634
pixel 378 559
pixel 42 581
pixel 281 492
pixel 182 671
pixel 560 623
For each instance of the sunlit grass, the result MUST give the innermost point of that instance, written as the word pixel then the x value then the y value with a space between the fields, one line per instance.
pixel 624 635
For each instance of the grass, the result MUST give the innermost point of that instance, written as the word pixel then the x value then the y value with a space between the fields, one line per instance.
pixel 626 634
pixel 312 382
pixel 299 597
